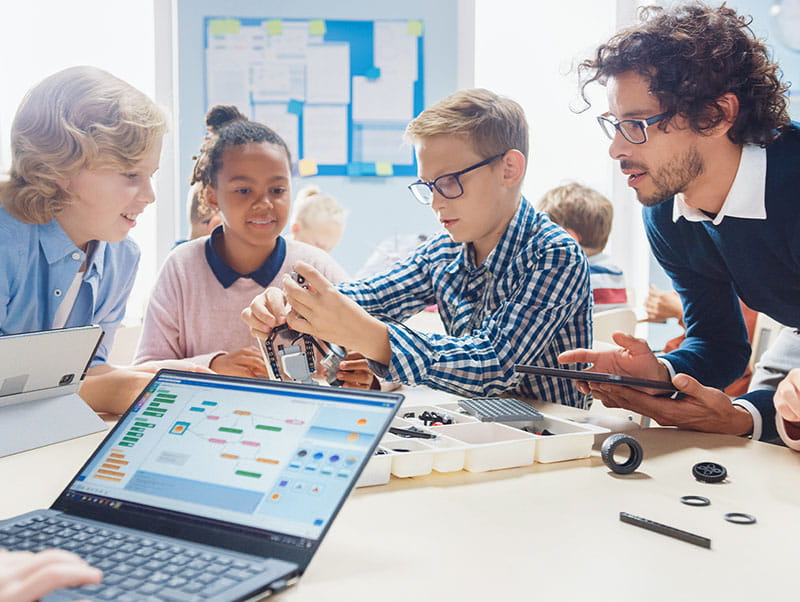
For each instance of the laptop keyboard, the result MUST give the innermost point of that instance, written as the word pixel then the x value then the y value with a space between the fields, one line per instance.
pixel 134 567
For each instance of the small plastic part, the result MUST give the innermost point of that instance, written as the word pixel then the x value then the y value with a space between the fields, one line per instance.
pixel 740 518
pixel 695 500
pixel 500 409
pixel 611 444
pixel 709 472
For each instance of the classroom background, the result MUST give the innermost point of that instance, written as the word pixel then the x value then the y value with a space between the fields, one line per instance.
pixel 523 50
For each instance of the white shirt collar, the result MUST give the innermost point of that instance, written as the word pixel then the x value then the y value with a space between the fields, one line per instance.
pixel 746 196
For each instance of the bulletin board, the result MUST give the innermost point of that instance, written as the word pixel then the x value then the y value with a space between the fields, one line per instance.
pixel 372 186
pixel 339 92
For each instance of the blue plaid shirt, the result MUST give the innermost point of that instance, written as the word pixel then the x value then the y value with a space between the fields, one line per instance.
pixel 529 301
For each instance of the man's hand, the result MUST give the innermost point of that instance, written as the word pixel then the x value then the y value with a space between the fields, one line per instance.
pixel 787 397
pixel 266 311
pixel 701 409
pixel 323 312
pixel 26 577
pixel 661 305
pixel 634 358
pixel 246 362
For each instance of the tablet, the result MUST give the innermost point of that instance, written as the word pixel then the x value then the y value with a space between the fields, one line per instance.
pixel 598 377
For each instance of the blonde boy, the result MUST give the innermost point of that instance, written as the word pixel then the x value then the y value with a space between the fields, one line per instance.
pixel 511 287
pixel 587 215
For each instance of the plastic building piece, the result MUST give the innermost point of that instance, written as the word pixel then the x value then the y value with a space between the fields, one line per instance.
pixel 709 472
pixel 610 446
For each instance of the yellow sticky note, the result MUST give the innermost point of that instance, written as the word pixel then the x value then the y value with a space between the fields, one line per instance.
pixel 274 27
pixel 317 27
pixel 307 167
pixel 384 169
pixel 221 26
pixel 414 28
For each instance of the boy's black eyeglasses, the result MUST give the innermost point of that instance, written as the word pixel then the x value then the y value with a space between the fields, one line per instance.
pixel 633 130
pixel 448 185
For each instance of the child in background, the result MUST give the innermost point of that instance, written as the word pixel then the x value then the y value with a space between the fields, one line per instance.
pixel 587 215
pixel 243 171
pixel 511 286
pixel 202 218
pixel 318 219
pixel 84 147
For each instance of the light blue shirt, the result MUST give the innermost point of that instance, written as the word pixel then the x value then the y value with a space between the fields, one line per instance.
pixel 37 265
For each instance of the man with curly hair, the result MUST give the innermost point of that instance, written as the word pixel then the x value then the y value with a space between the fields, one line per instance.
pixel 699 124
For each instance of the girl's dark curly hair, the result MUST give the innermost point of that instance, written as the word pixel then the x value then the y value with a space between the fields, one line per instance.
pixel 692 55
pixel 227 126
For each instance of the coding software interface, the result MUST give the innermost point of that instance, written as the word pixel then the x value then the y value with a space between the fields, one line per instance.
pixel 257 455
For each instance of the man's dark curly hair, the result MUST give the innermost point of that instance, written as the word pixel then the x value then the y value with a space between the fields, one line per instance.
pixel 692 55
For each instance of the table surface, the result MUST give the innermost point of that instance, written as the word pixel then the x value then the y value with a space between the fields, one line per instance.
pixel 542 530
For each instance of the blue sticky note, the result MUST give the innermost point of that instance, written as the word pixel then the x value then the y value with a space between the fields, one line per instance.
pixel 373 72
pixel 295 106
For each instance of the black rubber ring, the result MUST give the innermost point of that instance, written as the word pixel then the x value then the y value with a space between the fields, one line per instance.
pixel 695 500
pixel 612 443
pixel 740 518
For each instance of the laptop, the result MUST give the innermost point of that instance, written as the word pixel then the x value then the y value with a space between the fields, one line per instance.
pixel 40 374
pixel 210 488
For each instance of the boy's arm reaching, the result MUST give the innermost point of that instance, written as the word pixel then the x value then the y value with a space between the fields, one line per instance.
pixel 521 330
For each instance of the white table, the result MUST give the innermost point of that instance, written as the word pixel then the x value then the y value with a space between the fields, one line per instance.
pixel 543 532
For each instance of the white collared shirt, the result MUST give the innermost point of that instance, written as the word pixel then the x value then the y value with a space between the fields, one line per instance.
pixel 745 198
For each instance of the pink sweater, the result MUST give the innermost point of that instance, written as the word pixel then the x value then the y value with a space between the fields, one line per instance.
pixel 191 316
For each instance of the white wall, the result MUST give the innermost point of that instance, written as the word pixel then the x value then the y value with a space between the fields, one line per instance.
pixel 528 51
pixel 41 37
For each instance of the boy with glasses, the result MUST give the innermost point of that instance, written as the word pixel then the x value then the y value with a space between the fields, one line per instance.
pixel 511 286
pixel 699 124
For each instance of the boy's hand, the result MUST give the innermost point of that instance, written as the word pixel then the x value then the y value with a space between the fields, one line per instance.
pixel 354 373
pixel 266 311
pixel 323 312
pixel 633 359
pixel 661 305
pixel 787 397
pixel 700 409
pixel 25 577
pixel 245 362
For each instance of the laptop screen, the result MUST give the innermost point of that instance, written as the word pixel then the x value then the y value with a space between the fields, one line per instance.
pixel 265 455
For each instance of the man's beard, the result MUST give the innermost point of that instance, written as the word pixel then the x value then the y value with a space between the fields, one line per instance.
pixel 672 178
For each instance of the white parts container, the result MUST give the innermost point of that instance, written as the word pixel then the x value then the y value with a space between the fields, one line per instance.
pixel 492 446
pixel 377 471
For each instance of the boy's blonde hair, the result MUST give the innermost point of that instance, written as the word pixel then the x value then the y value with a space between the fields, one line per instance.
pixel 493 124
pixel 78 118
pixel 583 210
pixel 313 209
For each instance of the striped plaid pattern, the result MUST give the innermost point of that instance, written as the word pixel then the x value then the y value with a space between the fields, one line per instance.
pixel 529 301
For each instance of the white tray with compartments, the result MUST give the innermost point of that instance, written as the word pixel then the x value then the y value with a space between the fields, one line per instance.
pixel 469 444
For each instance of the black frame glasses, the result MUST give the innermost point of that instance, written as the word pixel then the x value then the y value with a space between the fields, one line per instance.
pixel 633 130
pixel 448 185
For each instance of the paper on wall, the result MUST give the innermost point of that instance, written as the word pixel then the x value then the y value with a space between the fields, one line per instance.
pixel 325 133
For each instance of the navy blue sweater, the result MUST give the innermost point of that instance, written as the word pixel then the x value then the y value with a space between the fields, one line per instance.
pixel 755 260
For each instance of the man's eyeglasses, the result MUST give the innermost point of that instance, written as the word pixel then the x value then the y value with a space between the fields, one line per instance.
pixel 448 185
pixel 633 130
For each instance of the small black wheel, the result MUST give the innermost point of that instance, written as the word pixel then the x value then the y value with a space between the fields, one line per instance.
pixel 611 444
pixel 709 472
